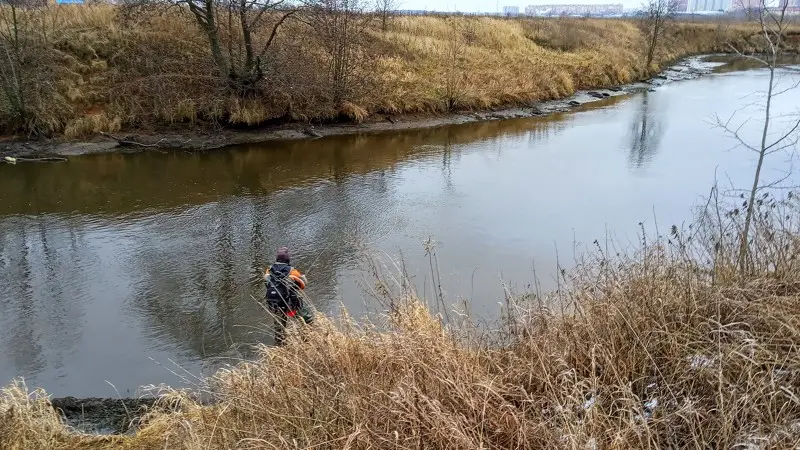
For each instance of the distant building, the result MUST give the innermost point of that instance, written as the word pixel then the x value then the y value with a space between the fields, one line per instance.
pixel 682 6
pixel 711 5
pixel 746 4
pixel 510 10
pixel 792 6
pixel 574 10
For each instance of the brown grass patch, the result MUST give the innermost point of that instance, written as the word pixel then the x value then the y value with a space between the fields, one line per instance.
pixel 93 124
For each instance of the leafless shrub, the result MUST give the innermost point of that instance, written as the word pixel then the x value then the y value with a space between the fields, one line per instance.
pixel 340 27
pixel 658 16
pixel 386 10
pixel 454 64
pixel 239 34
pixel 33 74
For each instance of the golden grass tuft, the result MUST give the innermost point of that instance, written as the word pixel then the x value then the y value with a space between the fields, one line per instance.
pixel 27 418
pixel 352 112
pixel 249 112
pixel 92 124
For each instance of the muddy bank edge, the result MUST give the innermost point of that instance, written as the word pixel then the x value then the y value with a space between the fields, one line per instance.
pixel 34 150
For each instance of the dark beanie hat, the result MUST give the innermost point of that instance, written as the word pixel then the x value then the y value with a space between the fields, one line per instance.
pixel 283 255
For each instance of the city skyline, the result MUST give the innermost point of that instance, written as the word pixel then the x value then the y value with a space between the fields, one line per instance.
pixel 474 6
pixel 505 6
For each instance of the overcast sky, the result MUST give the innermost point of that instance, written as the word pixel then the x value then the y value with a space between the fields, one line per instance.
pixel 492 5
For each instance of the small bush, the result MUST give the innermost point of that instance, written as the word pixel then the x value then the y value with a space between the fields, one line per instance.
pixel 352 112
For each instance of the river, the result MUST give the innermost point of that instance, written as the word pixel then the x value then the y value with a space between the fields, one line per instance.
pixel 122 270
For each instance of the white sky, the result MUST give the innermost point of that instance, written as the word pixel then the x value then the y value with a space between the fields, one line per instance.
pixel 492 5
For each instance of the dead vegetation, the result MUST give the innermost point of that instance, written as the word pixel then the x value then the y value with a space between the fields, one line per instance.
pixel 90 68
pixel 668 347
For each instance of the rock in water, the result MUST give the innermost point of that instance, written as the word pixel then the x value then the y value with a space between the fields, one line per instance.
pixel 595 94
pixel 574 103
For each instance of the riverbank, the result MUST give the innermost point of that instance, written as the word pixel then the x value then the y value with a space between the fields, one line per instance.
pixel 93 72
pixel 685 69
pixel 663 350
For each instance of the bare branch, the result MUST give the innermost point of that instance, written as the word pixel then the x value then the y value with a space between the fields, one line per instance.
pixel 785 136
pixel 751 57
pixel 267 7
pixel 790 88
pixel 126 142
pixel 275 31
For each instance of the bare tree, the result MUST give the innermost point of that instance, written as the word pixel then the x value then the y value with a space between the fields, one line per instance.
pixel 455 51
pixel 747 9
pixel 340 26
pixel 386 9
pixel 657 18
pixel 773 23
pixel 242 22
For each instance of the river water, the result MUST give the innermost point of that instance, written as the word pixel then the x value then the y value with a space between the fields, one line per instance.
pixel 124 270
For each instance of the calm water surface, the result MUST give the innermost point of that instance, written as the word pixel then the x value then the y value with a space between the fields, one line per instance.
pixel 118 269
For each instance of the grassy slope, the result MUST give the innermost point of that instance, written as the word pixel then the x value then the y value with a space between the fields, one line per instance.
pixel 157 71
pixel 660 352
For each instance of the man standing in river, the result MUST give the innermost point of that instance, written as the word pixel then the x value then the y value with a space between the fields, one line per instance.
pixel 285 285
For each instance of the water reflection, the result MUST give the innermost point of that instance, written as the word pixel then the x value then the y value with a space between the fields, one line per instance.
pixel 43 266
pixel 646 131
pixel 740 63
pixel 115 184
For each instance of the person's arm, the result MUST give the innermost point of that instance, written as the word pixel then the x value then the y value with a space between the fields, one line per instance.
pixel 298 278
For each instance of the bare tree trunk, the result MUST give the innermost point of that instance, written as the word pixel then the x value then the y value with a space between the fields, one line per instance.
pixel 659 14
pixel 205 15
pixel 651 50
pixel 744 244
pixel 249 60
pixel 14 84
pixel 213 40
pixel 230 31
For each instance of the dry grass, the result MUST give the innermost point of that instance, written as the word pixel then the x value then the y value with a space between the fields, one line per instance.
pixel 352 112
pixel 92 124
pixel 249 112
pixel 659 350
pixel 106 62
